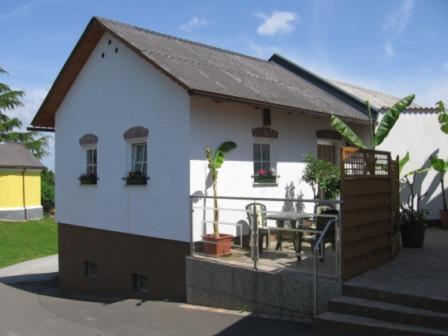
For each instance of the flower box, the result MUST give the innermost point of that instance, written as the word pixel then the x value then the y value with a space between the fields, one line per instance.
pixel 88 179
pixel 265 176
pixel 136 178
pixel 265 179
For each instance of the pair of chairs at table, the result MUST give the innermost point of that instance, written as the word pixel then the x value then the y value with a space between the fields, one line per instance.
pixel 259 210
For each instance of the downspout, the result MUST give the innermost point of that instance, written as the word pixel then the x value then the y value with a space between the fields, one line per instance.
pixel 24 191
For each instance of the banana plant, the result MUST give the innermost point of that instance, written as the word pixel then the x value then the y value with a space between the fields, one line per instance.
pixel 215 158
pixel 443 117
pixel 409 180
pixel 376 137
pixel 440 166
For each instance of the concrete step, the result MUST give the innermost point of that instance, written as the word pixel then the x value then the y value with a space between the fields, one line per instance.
pixel 332 323
pixel 389 312
pixel 410 300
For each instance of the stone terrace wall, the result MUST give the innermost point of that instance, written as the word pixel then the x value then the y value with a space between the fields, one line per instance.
pixel 286 293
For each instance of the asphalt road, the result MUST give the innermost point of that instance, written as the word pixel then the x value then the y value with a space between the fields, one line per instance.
pixel 39 309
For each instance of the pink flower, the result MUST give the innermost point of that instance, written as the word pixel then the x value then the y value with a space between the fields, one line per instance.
pixel 261 172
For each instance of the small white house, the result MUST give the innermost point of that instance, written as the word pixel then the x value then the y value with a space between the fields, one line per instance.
pixel 133 111
pixel 418 132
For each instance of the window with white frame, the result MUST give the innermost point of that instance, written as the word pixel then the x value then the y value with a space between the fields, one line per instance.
pixel 139 157
pixel 91 161
pixel 264 168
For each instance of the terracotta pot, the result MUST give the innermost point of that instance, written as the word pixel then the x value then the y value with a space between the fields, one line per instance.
pixel 444 218
pixel 218 246
pixel 413 235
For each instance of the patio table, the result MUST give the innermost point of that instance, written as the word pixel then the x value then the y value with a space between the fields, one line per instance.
pixel 292 218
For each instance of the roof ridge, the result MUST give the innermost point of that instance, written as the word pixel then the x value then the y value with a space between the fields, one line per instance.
pixel 199 44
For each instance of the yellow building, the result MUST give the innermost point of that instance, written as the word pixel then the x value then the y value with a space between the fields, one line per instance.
pixel 19 183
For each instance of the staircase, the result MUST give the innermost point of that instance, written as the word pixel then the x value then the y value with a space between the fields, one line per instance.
pixel 368 311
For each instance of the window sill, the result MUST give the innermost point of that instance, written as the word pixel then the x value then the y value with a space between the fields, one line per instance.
pixel 88 180
pixel 264 184
pixel 136 181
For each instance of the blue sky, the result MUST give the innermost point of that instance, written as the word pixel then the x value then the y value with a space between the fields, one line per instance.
pixel 395 46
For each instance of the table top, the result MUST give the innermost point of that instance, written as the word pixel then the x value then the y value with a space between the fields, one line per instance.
pixel 288 215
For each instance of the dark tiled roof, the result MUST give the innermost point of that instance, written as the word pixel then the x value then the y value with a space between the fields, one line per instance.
pixel 212 70
pixel 14 155
pixel 377 99
pixel 206 71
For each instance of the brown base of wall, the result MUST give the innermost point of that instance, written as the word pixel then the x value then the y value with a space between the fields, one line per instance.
pixel 117 259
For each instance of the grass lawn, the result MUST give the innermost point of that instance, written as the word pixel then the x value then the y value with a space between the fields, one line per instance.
pixel 20 241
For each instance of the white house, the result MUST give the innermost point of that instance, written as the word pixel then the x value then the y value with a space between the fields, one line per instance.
pixel 418 132
pixel 133 111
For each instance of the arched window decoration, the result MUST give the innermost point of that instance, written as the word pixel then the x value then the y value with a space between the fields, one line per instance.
pixel 136 132
pixel 138 158
pixel 88 139
pixel 328 134
pixel 264 132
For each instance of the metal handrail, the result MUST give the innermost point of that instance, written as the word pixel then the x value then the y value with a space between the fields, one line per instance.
pixel 315 249
pixel 320 201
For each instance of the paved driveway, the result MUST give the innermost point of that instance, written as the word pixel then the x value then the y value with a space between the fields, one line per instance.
pixel 39 309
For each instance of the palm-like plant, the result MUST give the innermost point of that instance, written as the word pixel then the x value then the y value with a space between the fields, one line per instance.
pixel 443 117
pixel 376 137
pixel 441 166
pixel 215 158
pixel 9 100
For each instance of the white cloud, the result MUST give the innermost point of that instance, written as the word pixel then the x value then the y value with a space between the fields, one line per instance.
pixel 396 23
pixel 445 66
pixel 193 23
pixel 389 50
pixel 276 23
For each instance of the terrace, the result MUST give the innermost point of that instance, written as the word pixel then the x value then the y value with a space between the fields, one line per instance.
pixel 289 256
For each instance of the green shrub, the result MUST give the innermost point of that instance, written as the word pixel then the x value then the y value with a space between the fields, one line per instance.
pixel 322 176
pixel 47 189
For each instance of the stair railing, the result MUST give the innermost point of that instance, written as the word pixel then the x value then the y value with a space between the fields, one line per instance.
pixel 318 249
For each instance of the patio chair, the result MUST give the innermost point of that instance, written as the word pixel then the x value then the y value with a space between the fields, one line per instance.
pixel 261 222
pixel 330 237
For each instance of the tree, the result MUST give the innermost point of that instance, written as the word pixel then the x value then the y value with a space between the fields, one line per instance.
pixel 443 117
pixel 322 175
pixel 215 160
pixel 376 137
pixel 9 100
pixel 47 190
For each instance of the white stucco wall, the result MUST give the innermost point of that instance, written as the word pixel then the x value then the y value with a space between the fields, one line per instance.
pixel 213 123
pixel 110 95
pixel 420 134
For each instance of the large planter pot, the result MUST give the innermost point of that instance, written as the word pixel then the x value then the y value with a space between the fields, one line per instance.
pixel 444 218
pixel 218 246
pixel 413 235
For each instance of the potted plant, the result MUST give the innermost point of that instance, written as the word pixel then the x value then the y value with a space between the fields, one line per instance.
pixel 412 218
pixel 136 178
pixel 323 177
pixel 441 166
pixel 89 178
pixel 217 244
pixel 265 176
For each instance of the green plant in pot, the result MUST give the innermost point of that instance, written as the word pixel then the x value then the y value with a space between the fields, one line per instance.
pixel 441 167
pixel 323 177
pixel 412 217
pixel 216 243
